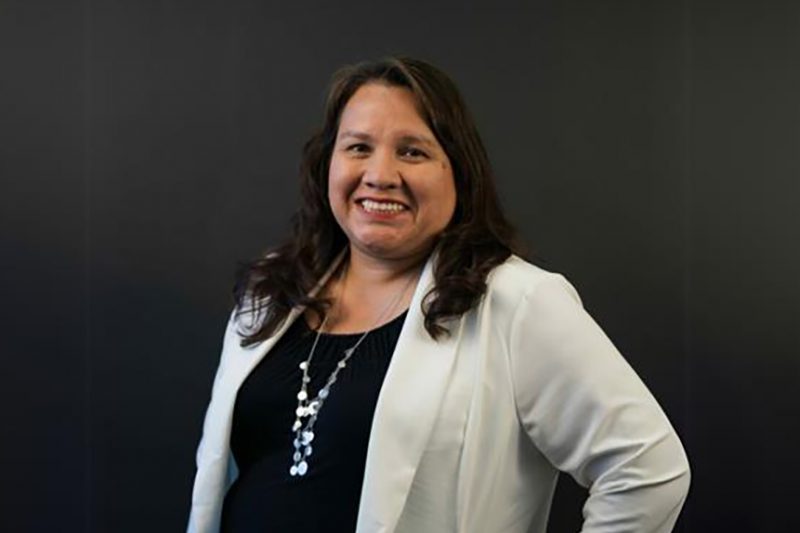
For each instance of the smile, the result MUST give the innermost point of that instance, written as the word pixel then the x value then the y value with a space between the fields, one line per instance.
pixel 371 206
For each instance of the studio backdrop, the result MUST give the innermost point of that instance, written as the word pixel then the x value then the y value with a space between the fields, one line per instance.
pixel 646 150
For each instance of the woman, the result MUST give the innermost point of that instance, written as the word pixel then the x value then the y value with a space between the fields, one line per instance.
pixel 396 367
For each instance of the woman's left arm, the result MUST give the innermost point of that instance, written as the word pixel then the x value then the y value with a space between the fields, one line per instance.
pixel 588 412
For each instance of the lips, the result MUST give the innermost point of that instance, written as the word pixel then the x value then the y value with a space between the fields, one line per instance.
pixel 382 205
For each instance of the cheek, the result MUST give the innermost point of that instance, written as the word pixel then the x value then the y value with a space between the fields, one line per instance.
pixel 340 182
pixel 449 198
pixel 334 184
pixel 448 190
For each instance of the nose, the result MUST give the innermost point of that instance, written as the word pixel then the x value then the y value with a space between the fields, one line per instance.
pixel 382 172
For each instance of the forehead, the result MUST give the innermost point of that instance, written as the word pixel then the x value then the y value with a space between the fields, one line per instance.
pixel 381 105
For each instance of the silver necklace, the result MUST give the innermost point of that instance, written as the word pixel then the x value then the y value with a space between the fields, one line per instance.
pixel 308 408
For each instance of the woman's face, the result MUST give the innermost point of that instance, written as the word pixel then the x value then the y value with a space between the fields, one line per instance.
pixel 390 183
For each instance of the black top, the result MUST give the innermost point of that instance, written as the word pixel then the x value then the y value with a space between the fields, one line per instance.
pixel 265 497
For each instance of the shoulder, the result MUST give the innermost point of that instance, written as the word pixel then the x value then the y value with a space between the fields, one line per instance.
pixel 515 269
pixel 517 280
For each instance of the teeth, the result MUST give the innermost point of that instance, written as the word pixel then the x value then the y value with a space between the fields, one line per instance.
pixel 383 207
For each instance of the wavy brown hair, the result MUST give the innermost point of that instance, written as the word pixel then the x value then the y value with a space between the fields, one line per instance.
pixel 477 239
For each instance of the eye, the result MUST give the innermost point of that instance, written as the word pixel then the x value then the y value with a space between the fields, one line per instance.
pixel 412 152
pixel 358 148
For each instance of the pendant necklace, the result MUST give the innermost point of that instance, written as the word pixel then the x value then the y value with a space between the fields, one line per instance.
pixel 308 408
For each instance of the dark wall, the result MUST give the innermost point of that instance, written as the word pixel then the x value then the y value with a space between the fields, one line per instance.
pixel 647 150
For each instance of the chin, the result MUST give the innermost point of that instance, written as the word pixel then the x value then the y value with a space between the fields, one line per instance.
pixel 393 252
pixel 382 249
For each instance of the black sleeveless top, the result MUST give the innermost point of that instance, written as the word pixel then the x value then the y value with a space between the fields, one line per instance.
pixel 265 497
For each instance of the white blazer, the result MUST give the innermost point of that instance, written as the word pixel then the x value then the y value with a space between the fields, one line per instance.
pixel 469 432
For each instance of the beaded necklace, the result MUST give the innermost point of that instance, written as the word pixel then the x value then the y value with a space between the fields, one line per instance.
pixel 309 408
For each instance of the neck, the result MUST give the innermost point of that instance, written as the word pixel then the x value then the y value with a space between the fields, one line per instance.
pixel 366 270
pixel 365 287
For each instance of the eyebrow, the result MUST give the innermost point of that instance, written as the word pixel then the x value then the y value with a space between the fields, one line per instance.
pixel 408 137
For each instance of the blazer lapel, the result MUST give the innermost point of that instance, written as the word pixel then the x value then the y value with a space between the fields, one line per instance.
pixel 239 362
pixel 407 408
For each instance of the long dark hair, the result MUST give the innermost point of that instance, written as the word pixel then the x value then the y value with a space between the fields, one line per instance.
pixel 478 238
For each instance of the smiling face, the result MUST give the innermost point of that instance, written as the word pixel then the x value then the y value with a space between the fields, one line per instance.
pixel 390 183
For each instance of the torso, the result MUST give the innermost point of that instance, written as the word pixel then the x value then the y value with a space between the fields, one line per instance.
pixel 265 496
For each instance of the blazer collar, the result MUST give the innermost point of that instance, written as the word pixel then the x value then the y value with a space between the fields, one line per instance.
pixel 405 414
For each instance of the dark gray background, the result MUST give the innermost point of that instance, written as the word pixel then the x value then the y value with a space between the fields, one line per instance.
pixel 647 150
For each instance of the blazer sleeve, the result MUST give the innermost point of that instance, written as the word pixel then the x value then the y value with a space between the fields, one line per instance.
pixel 215 469
pixel 229 337
pixel 588 412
